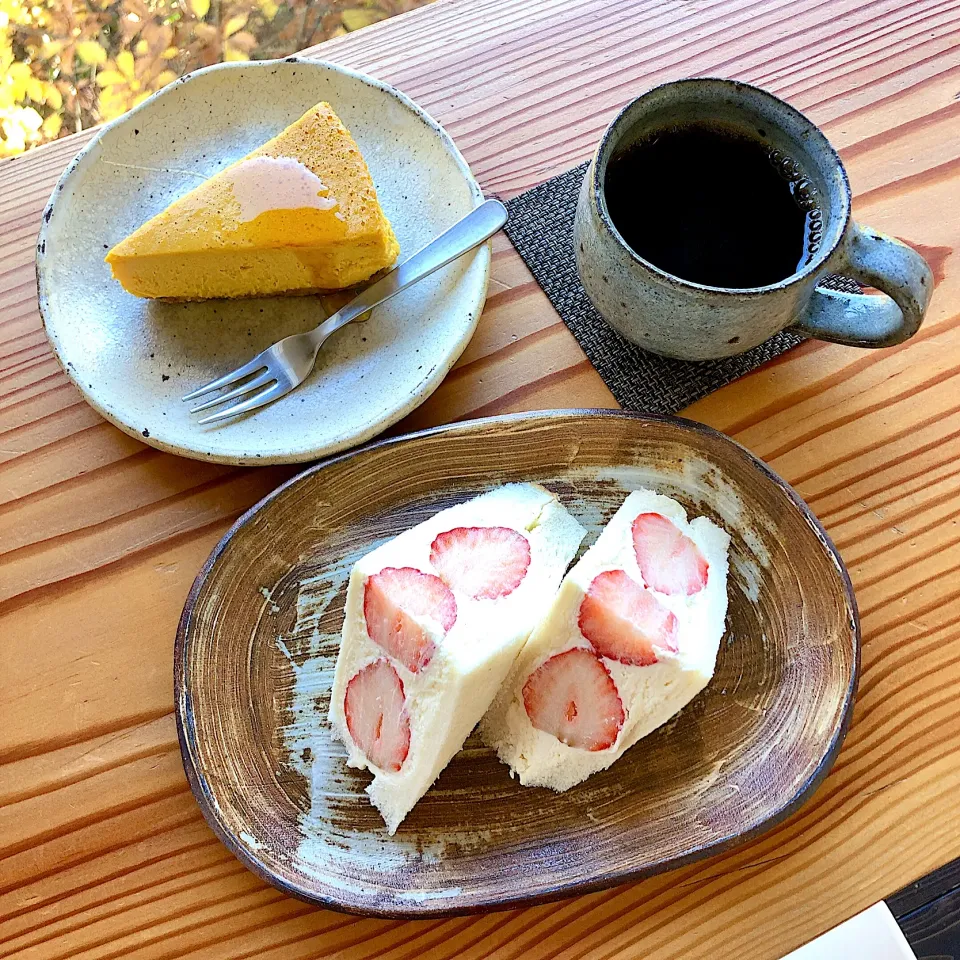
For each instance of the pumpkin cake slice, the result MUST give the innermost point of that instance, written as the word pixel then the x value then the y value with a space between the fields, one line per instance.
pixel 298 215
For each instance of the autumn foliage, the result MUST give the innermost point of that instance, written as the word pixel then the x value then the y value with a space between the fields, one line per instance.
pixel 69 64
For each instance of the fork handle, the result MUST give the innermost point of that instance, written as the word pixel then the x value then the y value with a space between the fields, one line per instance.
pixel 478 225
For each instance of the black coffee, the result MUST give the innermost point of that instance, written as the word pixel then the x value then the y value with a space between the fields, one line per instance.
pixel 715 206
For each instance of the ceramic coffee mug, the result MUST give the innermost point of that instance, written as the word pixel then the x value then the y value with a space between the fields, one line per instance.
pixel 678 318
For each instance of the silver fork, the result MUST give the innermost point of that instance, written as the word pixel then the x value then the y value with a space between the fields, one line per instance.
pixel 287 363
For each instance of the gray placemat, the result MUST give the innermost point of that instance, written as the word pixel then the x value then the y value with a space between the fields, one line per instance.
pixel 541 228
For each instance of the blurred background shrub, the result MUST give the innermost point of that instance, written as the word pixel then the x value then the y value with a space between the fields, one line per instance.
pixel 70 64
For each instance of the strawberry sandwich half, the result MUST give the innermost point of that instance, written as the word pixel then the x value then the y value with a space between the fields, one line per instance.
pixel 434 621
pixel 631 638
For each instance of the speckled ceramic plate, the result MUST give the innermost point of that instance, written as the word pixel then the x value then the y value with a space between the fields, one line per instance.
pixel 133 359
pixel 260 633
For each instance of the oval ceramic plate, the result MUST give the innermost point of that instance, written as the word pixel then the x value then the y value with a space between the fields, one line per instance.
pixel 259 635
pixel 133 359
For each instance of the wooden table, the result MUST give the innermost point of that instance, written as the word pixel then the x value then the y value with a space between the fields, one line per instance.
pixel 104 852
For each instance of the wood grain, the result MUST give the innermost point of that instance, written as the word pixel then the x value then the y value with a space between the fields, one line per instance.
pixel 104 853
pixel 928 912
pixel 925 891
pixel 740 758
pixel 934 931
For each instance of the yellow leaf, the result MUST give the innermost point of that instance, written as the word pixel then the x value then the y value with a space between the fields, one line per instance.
pixel 234 24
pixel 53 97
pixel 355 19
pixel 34 89
pixel 141 48
pixel 169 53
pixel 165 77
pixel 13 139
pixel 16 80
pixel 268 8
pixel 50 49
pixel 200 8
pixel 89 51
pixel 139 98
pixel 126 64
pixel 107 78
pixel 51 126
pixel 112 103
pixel 233 54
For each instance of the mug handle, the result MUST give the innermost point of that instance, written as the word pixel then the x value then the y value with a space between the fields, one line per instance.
pixel 870 321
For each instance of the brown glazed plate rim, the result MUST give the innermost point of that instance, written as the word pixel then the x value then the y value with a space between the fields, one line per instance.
pixel 208 806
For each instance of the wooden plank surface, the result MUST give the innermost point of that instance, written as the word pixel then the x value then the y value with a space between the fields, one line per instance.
pixel 928 913
pixel 103 853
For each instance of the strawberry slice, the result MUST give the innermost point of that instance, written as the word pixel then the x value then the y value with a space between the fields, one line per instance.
pixel 625 622
pixel 483 562
pixel 376 713
pixel 391 600
pixel 573 697
pixel 670 562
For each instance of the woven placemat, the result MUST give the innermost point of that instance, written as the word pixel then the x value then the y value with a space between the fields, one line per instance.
pixel 541 228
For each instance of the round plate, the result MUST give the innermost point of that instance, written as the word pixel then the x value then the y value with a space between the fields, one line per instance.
pixel 259 636
pixel 133 359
